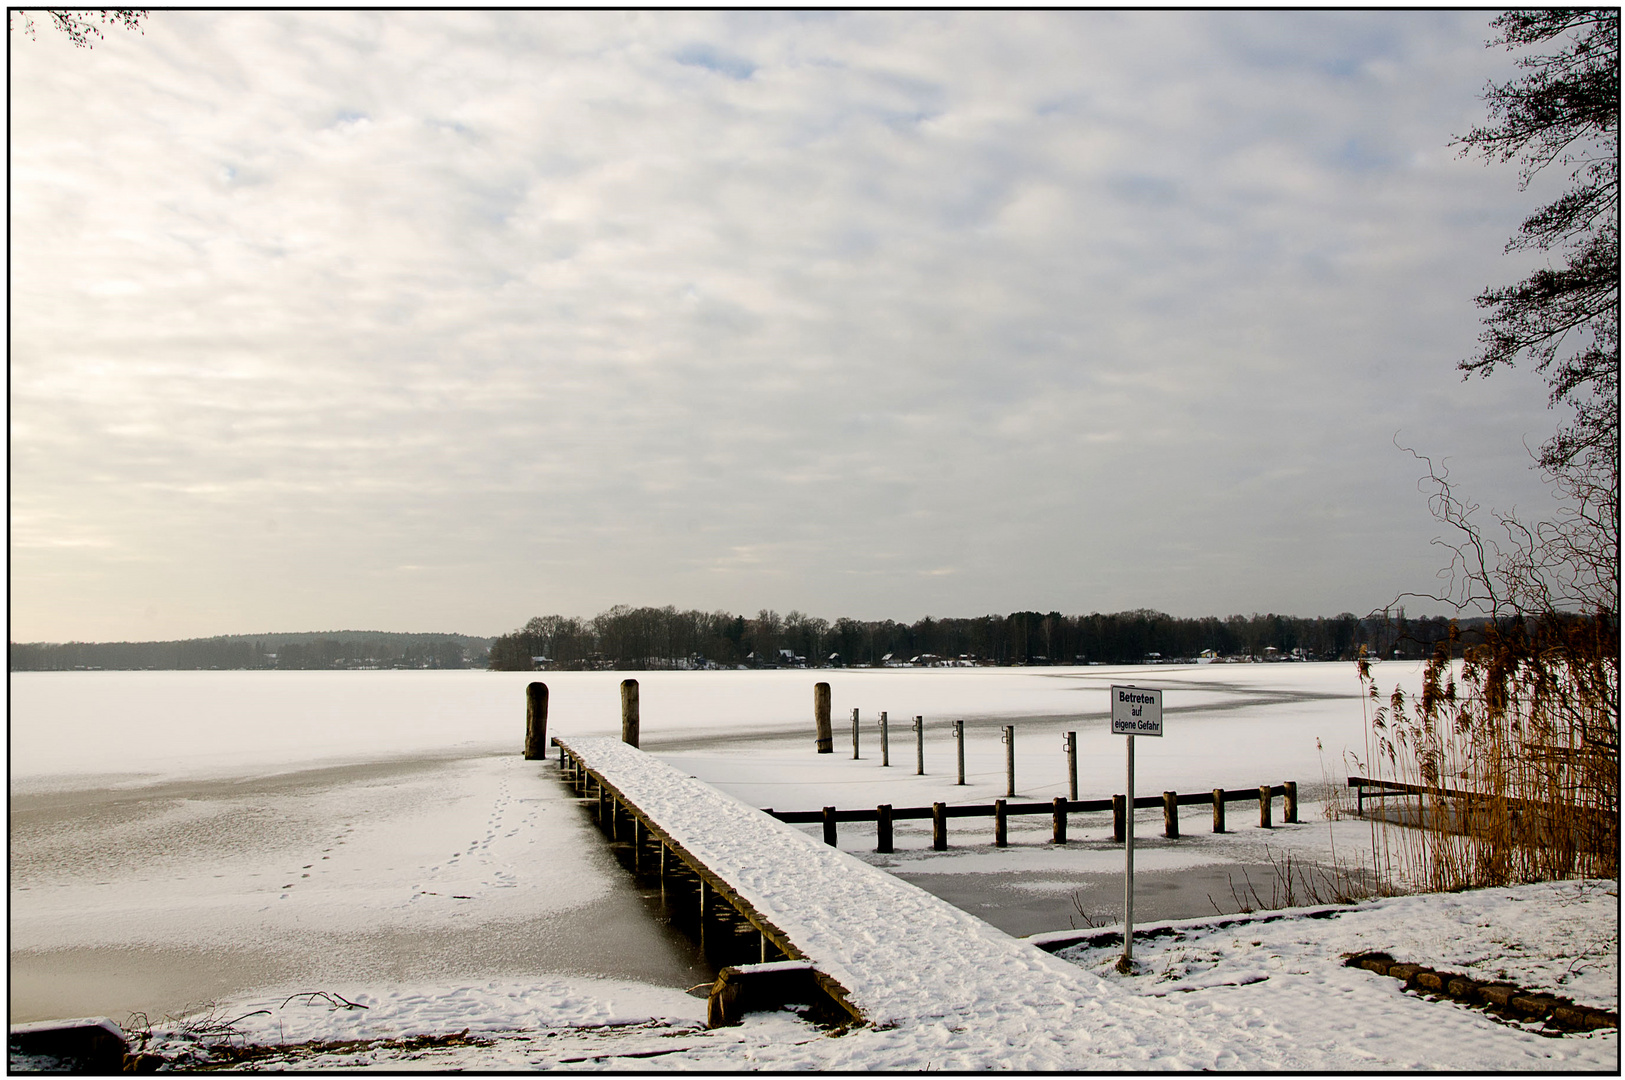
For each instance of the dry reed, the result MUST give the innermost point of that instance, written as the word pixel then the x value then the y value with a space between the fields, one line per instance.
pixel 1513 755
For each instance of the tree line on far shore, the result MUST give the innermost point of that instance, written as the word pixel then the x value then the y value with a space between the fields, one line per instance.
pixel 627 638
pixel 344 649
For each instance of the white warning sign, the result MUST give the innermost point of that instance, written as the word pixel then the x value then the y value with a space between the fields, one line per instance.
pixel 1136 711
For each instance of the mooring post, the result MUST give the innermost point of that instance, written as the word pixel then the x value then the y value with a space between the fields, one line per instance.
pixel 629 711
pixel 885 742
pixel 536 722
pixel 883 843
pixel 1264 806
pixel 1072 765
pixel 1117 819
pixel 1010 758
pixel 1001 824
pixel 1060 820
pixel 959 741
pixel 821 729
pixel 854 734
pixel 919 746
pixel 939 826
pixel 1289 807
pixel 637 845
pixel 1170 815
pixel 1218 809
pixel 829 826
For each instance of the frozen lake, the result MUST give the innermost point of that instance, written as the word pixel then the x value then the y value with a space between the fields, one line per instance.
pixel 179 837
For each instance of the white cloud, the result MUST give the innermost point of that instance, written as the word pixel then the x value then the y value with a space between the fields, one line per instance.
pixel 743 310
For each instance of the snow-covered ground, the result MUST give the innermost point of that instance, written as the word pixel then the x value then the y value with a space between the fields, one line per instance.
pixel 1267 993
pixel 184 817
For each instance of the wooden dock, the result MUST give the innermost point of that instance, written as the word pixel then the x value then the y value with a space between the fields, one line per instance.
pixel 879 948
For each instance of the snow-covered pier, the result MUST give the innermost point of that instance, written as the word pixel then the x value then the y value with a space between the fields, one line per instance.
pixel 885 950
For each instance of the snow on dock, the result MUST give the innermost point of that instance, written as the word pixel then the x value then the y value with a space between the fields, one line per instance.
pixel 899 952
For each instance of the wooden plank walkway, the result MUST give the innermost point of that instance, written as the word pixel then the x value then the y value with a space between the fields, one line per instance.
pixel 886 950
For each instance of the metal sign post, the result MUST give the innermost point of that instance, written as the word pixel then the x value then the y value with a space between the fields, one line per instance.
pixel 1134 712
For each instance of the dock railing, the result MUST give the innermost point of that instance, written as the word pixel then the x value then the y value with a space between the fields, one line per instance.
pixel 1058 808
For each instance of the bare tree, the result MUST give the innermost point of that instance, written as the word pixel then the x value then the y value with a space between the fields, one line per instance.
pixel 81 26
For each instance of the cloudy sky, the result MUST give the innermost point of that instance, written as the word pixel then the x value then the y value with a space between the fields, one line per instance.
pixel 439 321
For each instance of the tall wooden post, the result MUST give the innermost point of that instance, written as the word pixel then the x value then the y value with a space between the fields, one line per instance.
pixel 1060 820
pixel 1001 824
pixel 1264 806
pixel 536 722
pixel 1072 765
pixel 829 826
pixel 1117 819
pixel 629 711
pixel 939 826
pixel 854 734
pixel 821 728
pixel 1010 758
pixel 885 741
pixel 1218 809
pixel 1170 815
pixel 1289 808
pixel 919 746
pixel 959 741
pixel 883 842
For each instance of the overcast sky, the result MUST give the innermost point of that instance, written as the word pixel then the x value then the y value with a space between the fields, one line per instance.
pixel 439 321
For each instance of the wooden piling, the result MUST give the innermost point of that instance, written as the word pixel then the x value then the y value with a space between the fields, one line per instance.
pixel 1264 806
pixel 629 711
pixel 919 746
pixel 854 734
pixel 829 826
pixel 1010 758
pixel 1118 820
pixel 885 742
pixel 1289 807
pixel 1060 820
pixel 1170 814
pixel 821 727
pixel 536 722
pixel 1001 824
pixel 939 826
pixel 959 741
pixel 1218 810
pixel 883 839
pixel 1072 765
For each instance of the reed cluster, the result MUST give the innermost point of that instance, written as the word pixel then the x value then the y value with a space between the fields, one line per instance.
pixel 1513 752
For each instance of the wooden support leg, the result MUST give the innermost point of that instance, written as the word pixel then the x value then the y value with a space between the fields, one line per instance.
pixel 1060 819
pixel 883 836
pixel 939 826
pixel 1170 815
pixel 1264 806
pixel 1001 824
pixel 1218 809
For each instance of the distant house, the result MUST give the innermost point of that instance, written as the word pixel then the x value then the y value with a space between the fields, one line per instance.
pixel 541 663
